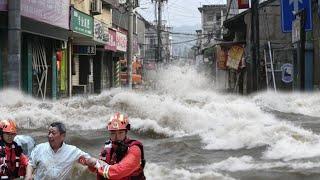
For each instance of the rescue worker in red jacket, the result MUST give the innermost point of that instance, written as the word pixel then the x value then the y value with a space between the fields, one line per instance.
pixel 123 157
pixel 13 162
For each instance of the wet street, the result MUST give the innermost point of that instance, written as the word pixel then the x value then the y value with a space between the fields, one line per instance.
pixel 189 130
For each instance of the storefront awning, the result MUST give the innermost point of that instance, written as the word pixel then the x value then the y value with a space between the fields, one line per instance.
pixel 38 28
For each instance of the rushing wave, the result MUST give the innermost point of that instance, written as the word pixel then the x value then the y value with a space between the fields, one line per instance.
pixel 183 105
pixel 247 163
pixel 158 172
pixel 297 103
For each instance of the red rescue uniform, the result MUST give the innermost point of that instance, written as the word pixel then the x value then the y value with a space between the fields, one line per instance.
pixel 13 162
pixel 129 166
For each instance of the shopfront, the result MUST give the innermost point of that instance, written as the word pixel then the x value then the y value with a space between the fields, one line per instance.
pixel 84 50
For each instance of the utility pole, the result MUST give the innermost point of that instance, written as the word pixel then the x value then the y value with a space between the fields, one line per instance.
pixel 13 73
pixel 130 42
pixel 301 50
pixel 159 30
pixel 255 64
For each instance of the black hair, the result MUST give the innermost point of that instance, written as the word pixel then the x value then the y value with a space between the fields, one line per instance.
pixel 60 126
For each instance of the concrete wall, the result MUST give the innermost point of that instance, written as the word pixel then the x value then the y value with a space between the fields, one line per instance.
pixel 270 30
pixel 141 31
pixel 82 5
pixel 105 16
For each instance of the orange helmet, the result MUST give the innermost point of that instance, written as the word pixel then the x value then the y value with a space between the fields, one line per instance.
pixel 118 122
pixel 8 126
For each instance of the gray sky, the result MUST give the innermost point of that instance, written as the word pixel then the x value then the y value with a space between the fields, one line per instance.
pixel 177 12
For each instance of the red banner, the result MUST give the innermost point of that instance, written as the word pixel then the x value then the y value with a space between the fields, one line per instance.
pixel 243 4
pixel 111 45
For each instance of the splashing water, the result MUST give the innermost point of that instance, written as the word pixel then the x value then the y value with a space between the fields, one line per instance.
pixel 183 105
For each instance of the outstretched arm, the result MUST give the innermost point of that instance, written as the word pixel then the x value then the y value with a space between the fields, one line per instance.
pixel 88 161
pixel 29 172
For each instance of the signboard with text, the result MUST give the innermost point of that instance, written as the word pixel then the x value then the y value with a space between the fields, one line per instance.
pixel 100 32
pixel 121 40
pixel 84 49
pixel 81 23
pixel 55 13
pixel 111 45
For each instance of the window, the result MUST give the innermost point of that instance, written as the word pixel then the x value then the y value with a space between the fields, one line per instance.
pixel 210 18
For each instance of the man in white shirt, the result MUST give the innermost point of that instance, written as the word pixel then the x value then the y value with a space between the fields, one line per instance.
pixel 54 159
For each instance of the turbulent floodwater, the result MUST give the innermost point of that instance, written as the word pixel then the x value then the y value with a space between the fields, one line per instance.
pixel 189 130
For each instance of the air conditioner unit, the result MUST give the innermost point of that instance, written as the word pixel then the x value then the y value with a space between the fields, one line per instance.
pixel 96 7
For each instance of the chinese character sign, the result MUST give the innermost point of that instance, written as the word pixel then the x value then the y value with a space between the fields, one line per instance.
pixel 111 45
pixel 84 49
pixel 81 23
pixel 100 32
pixel 121 42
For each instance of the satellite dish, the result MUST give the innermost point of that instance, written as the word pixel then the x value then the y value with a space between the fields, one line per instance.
pixel 122 1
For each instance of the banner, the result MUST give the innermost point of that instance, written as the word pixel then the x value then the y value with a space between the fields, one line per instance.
pixel 111 45
pixel 235 54
pixel 243 4
pixel 63 72
pixel 121 41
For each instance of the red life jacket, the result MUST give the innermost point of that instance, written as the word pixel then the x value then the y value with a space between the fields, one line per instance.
pixel 109 156
pixel 10 161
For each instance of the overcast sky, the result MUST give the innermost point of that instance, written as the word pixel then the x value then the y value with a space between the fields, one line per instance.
pixel 177 12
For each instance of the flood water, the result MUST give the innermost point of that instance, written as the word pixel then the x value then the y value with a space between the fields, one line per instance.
pixel 189 130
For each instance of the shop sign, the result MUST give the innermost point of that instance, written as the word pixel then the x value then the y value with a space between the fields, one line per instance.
pixel 100 32
pixel 55 13
pixel 81 22
pixel 243 4
pixel 84 49
pixel 287 73
pixel 235 54
pixel 111 45
pixel 121 41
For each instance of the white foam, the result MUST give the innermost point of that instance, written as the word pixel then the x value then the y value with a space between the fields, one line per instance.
pixel 299 103
pixel 158 172
pixel 184 105
pixel 247 163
